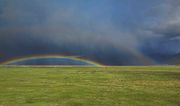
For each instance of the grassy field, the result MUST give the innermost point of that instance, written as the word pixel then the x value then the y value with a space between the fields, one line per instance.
pixel 90 86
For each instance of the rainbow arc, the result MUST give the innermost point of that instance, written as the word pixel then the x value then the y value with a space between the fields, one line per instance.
pixel 75 58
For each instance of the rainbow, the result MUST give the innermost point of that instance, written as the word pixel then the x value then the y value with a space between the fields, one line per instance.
pixel 76 58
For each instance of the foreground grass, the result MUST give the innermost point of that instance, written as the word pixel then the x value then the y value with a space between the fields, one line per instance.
pixel 90 86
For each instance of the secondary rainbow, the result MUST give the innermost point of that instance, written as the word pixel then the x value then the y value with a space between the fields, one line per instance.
pixel 76 58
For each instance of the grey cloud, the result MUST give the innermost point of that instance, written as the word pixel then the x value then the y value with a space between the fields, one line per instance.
pixel 90 30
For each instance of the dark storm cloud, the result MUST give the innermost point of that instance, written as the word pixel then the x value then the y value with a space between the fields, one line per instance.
pixel 164 36
pixel 114 32
pixel 167 20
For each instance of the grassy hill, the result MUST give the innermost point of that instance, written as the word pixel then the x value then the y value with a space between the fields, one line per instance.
pixel 90 86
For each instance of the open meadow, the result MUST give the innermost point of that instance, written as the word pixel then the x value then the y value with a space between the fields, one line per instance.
pixel 90 86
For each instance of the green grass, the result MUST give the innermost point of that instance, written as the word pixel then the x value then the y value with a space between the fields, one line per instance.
pixel 90 86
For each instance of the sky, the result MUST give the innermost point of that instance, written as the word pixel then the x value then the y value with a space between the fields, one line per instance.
pixel 110 32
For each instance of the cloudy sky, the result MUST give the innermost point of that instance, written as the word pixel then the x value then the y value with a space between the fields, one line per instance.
pixel 111 32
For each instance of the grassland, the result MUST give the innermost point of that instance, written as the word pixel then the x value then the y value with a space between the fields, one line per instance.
pixel 90 86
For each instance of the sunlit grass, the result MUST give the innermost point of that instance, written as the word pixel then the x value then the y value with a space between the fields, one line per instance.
pixel 90 86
